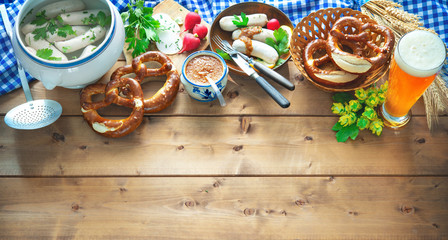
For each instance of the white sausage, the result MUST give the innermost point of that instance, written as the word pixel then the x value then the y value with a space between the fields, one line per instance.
pixel 31 50
pixel 260 50
pixel 27 28
pixel 87 51
pixel 265 33
pixel 77 18
pixel 82 41
pixel 79 30
pixel 54 9
pixel 259 19
pixel 43 44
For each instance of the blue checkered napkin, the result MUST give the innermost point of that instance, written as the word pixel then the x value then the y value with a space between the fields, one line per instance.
pixel 8 65
pixel 295 9
pixel 433 14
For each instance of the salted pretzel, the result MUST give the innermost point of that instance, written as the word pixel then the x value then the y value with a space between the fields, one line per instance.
pixel 327 77
pixel 355 63
pixel 108 127
pixel 127 92
pixel 166 95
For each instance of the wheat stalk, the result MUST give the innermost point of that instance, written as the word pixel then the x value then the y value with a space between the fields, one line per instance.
pixel 388 13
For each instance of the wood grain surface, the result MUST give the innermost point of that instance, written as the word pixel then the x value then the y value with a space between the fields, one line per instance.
pixel 242 94
pixel 224 208
pixel 222 146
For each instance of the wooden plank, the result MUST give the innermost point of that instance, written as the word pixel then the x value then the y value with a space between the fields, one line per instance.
pixel 224 208
pixel 242 94
pixel 223 146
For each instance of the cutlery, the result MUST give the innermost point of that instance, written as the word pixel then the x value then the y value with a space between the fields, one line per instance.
pixel 33 114
pixel 245 66
pixel 264 69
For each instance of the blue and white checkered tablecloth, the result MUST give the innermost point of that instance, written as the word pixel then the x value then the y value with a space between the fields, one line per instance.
pixel 433 13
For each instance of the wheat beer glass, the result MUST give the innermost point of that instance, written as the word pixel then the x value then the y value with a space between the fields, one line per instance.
pixel 418 57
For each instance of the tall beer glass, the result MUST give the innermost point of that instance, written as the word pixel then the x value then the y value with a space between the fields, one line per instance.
pixel 418 57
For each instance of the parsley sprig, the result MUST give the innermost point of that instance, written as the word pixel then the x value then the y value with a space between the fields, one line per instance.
pixel 101 19
pixel 223 54
pixel 141 29
pixel 280 43
pixel 240 21
pixel 52 26
pixel 46 53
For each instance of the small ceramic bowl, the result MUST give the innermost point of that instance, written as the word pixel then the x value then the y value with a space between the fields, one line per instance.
pixel 75 73
pixel 204 92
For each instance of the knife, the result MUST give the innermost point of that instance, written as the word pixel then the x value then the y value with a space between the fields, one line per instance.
pixel 269 72
pixel 277 96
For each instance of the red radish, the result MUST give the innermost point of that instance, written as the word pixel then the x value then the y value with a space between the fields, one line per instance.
pixel 191 20
pixel 190 42
pixel 200 30
pixel 273 24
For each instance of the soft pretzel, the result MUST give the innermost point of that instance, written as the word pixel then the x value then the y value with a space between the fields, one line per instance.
pixel 355 63
pixel 109 127
pixel 166 95
pixel 328 77
pixel 127 92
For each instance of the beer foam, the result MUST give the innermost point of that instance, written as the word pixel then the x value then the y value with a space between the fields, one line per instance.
pixel 420 53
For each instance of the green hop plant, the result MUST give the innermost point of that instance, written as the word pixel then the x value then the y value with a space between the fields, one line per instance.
pixel 381 97
pixel 373 100
pixel 361 94
pixel 338 108
pixel 363 123
pixel 355 105
pixel 383 88
pixel 358 112
pixel 347 108
pixel 369 113
pixel 347 119
pixel 376 126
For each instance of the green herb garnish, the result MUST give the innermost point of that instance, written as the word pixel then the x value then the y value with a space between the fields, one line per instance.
pixel 358 112
pixel 40 19
pixel 242 21
pixel 50 26
pixel 280 43
pixel 27 15
pixel 101 19
pixel 279 62
pixel 141 28
pixel 66 30
pixel 93 36
pixel 46 53
pixel 65 49
pixel 223 54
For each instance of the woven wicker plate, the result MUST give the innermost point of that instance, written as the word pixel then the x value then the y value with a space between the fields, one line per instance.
pixel 317 25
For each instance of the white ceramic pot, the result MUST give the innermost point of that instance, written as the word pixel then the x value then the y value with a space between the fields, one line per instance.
pixel 75 73
pixel 204 92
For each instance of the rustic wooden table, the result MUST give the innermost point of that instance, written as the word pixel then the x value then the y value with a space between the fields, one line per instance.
pixel 250 170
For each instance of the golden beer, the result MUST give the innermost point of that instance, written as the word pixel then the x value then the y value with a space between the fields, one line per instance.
pixel 418 57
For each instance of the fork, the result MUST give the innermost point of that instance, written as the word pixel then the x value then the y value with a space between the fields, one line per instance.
pixel 274 93
pixel 225 46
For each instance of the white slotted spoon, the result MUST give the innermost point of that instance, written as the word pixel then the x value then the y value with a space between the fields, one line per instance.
pixel 33 114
